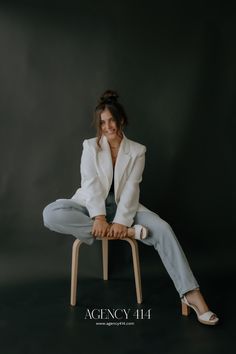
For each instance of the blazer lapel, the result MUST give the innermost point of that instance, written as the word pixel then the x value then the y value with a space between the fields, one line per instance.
pixel 105 161
pixel 122 161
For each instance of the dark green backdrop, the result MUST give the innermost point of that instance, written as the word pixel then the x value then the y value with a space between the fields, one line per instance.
pixel 172 65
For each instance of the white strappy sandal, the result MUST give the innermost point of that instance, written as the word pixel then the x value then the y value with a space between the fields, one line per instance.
pixel 141 232
pixel 203 318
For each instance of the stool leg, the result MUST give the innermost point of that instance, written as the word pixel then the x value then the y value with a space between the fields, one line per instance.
pixel 105 258
pixel 136 265
pixel 74 270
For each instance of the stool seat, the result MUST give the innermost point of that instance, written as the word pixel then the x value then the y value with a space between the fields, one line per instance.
pixel 136 265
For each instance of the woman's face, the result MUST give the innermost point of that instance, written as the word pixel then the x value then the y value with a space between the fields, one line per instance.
pixel 108 125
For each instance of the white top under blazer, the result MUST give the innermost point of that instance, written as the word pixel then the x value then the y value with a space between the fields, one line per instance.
pixel 96 177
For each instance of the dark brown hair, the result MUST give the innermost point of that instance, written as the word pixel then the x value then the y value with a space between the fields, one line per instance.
pixel 109 100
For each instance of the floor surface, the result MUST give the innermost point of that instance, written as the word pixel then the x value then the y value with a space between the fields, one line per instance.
pixel 36 318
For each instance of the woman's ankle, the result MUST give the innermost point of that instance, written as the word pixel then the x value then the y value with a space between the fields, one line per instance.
pixel 192 291
pixel 131 232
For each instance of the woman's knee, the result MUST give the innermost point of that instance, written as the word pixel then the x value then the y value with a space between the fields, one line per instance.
pixel 155 223
pixel 49 214
pixel 165 226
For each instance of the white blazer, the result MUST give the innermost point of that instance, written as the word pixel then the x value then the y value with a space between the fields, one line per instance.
pixel 96 177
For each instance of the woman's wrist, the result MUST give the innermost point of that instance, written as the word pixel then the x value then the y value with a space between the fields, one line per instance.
pixel 100 217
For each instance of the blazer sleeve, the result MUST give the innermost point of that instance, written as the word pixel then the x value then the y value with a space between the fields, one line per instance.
pixel 129 199
pixel 90 183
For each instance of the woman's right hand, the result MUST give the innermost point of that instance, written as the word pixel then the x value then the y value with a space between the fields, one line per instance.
pixel 100 227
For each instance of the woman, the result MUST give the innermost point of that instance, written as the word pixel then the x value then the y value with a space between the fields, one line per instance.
pixel 107 203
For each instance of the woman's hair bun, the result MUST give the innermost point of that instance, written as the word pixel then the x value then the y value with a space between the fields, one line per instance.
pixel 109 95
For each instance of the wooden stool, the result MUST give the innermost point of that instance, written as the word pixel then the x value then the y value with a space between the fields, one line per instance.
pixel 74 266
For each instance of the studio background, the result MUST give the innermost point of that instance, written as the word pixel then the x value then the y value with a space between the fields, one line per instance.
pixel 172 66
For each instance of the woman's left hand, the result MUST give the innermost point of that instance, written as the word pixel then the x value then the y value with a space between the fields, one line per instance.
pixel 118 231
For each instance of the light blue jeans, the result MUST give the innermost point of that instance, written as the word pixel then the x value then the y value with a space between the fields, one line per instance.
pixel 68 217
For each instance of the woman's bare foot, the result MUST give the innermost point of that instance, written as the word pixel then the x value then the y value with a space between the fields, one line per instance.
pixel 195 298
